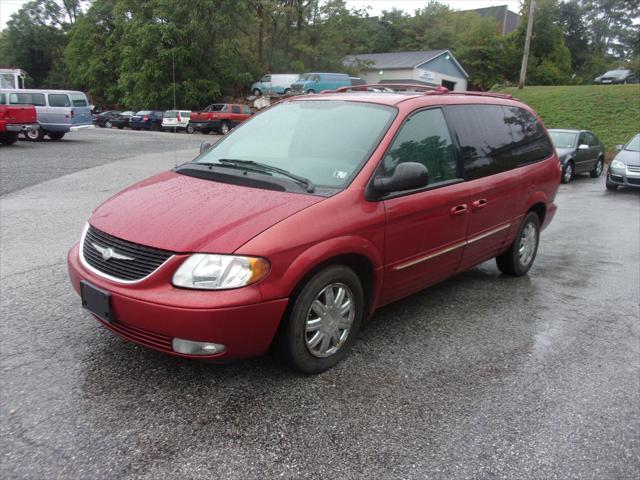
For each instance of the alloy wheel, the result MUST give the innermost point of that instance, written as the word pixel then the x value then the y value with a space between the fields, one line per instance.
pixel 527 247
pixel 329 320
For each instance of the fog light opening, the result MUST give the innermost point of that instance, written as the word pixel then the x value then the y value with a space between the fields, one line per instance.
pixel 189 347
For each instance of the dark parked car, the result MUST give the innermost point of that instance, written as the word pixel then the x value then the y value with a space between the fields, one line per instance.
pixel 579 151
pixel 616 76
pixel 147 120
pixel 122 120
pixel 105 119
pixel 625 166
pixel 294 229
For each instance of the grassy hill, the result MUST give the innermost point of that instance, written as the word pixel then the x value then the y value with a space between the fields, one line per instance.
pixel 612 112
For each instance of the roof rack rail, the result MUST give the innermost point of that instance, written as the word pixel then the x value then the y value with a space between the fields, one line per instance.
pixel 406 86
pixel 477 94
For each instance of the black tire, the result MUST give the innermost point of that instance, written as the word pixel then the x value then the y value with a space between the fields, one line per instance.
pixel 291 343
pixel 56 135
pixel 224 128
pixel 34 134
pixel 311 91
pixel 511 262
pixel 8 138
pixel 257 92
pixel 597 168
pixel 108 124
pixel 567 172
pixel 287 91
pixel 189 129
pixel 612 187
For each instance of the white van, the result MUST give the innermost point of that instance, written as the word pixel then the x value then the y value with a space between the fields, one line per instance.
pixel 58 111
pixel 177 119
pixel 274 83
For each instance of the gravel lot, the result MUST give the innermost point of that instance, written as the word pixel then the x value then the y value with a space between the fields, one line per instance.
pixel 480 377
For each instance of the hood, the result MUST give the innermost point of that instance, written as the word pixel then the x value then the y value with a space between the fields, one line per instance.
pixel 628 157
pixel 186 214
pixel 564 152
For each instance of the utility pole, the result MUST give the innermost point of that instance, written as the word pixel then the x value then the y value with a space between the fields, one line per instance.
pixel 527 43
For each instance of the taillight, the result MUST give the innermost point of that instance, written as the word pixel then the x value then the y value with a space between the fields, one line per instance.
pixel 145 118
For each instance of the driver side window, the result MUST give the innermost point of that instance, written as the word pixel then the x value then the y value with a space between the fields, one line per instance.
pixel 424 138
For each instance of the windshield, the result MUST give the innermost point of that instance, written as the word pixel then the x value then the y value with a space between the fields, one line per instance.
pixel 562 139
pixel 323 141
pixel 306 77
pixel 634 144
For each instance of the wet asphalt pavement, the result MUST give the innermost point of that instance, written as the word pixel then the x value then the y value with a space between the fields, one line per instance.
pixel 482 377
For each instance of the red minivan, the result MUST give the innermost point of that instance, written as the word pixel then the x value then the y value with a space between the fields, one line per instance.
pixel 292 230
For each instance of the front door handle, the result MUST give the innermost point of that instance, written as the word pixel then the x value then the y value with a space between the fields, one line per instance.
pixel 479 204
pixel 459 210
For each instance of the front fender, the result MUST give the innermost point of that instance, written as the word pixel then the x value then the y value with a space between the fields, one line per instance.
pixel 287 275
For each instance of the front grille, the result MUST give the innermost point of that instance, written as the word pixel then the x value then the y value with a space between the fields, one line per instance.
pixel 633 181
pixel 139 336
pixel 143 260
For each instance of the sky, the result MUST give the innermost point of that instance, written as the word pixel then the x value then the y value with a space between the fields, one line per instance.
pixel 7 7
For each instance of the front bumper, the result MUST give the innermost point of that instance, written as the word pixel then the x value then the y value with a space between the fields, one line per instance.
pixel 623 178
pixel 153 312
pixel 21 127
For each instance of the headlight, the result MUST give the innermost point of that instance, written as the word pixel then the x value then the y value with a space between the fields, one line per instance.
pixel 218 272
pixel 617 164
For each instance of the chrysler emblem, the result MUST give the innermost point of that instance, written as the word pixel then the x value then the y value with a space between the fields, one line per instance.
pixel 109 253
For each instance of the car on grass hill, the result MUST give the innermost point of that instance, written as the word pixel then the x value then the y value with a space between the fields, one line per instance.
pixel 616 76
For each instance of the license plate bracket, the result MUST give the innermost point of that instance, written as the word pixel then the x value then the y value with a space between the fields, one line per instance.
pixel 96 300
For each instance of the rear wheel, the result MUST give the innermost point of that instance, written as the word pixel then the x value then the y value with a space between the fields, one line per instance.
pixel 311 90
pixel 517 261
pixel 8 138
pixel 597 169
pixel 324 320
pixel 155 127
pixel 257 92
pixel 224 128
pixel 287 91
pixel 35 134
pixel 190 129
pixel 56 135
pixel 567 172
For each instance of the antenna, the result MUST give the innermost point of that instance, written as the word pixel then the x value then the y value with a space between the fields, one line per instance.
pixel 175 127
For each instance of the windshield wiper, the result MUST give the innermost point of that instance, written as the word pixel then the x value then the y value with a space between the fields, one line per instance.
pixel 310 187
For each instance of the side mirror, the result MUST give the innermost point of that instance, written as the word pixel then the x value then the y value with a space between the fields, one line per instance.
pixel 619 147
pixel 407 176
pixel 204 146
pixel 583 146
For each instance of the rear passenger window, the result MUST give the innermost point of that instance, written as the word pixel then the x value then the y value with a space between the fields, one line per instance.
pixel 495 139
pixel 424 138
pixel 235 109
pixel 36 99
pixel 79 100
pixel 246 110
pixel 59 100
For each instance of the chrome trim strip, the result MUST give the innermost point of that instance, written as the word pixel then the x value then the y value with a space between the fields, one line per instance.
pixel 411 263
pixel 94 270
pixel 402 266
pixel 488 234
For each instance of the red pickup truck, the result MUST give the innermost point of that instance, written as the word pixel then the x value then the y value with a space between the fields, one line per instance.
pixel 219 117
pixel 15 119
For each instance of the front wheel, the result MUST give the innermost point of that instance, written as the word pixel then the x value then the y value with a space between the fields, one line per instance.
pixel 612 187
pixel 517 261
pixel 190 129
pixel 287 91
pixel 567 172
pixel 311 91
pixel 597 169
pixel 224 128
pixel 324 320
pixel 108 124
pixel 256 92
pixel 56 135
pixel 34 134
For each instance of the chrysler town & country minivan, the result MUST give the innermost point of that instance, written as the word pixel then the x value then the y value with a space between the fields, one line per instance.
pixel 291 231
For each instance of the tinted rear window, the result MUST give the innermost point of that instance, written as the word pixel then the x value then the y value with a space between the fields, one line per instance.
pixel 36 99
pixel 495 139
pixel 59 100
pixel 3 98
pixel 79 100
